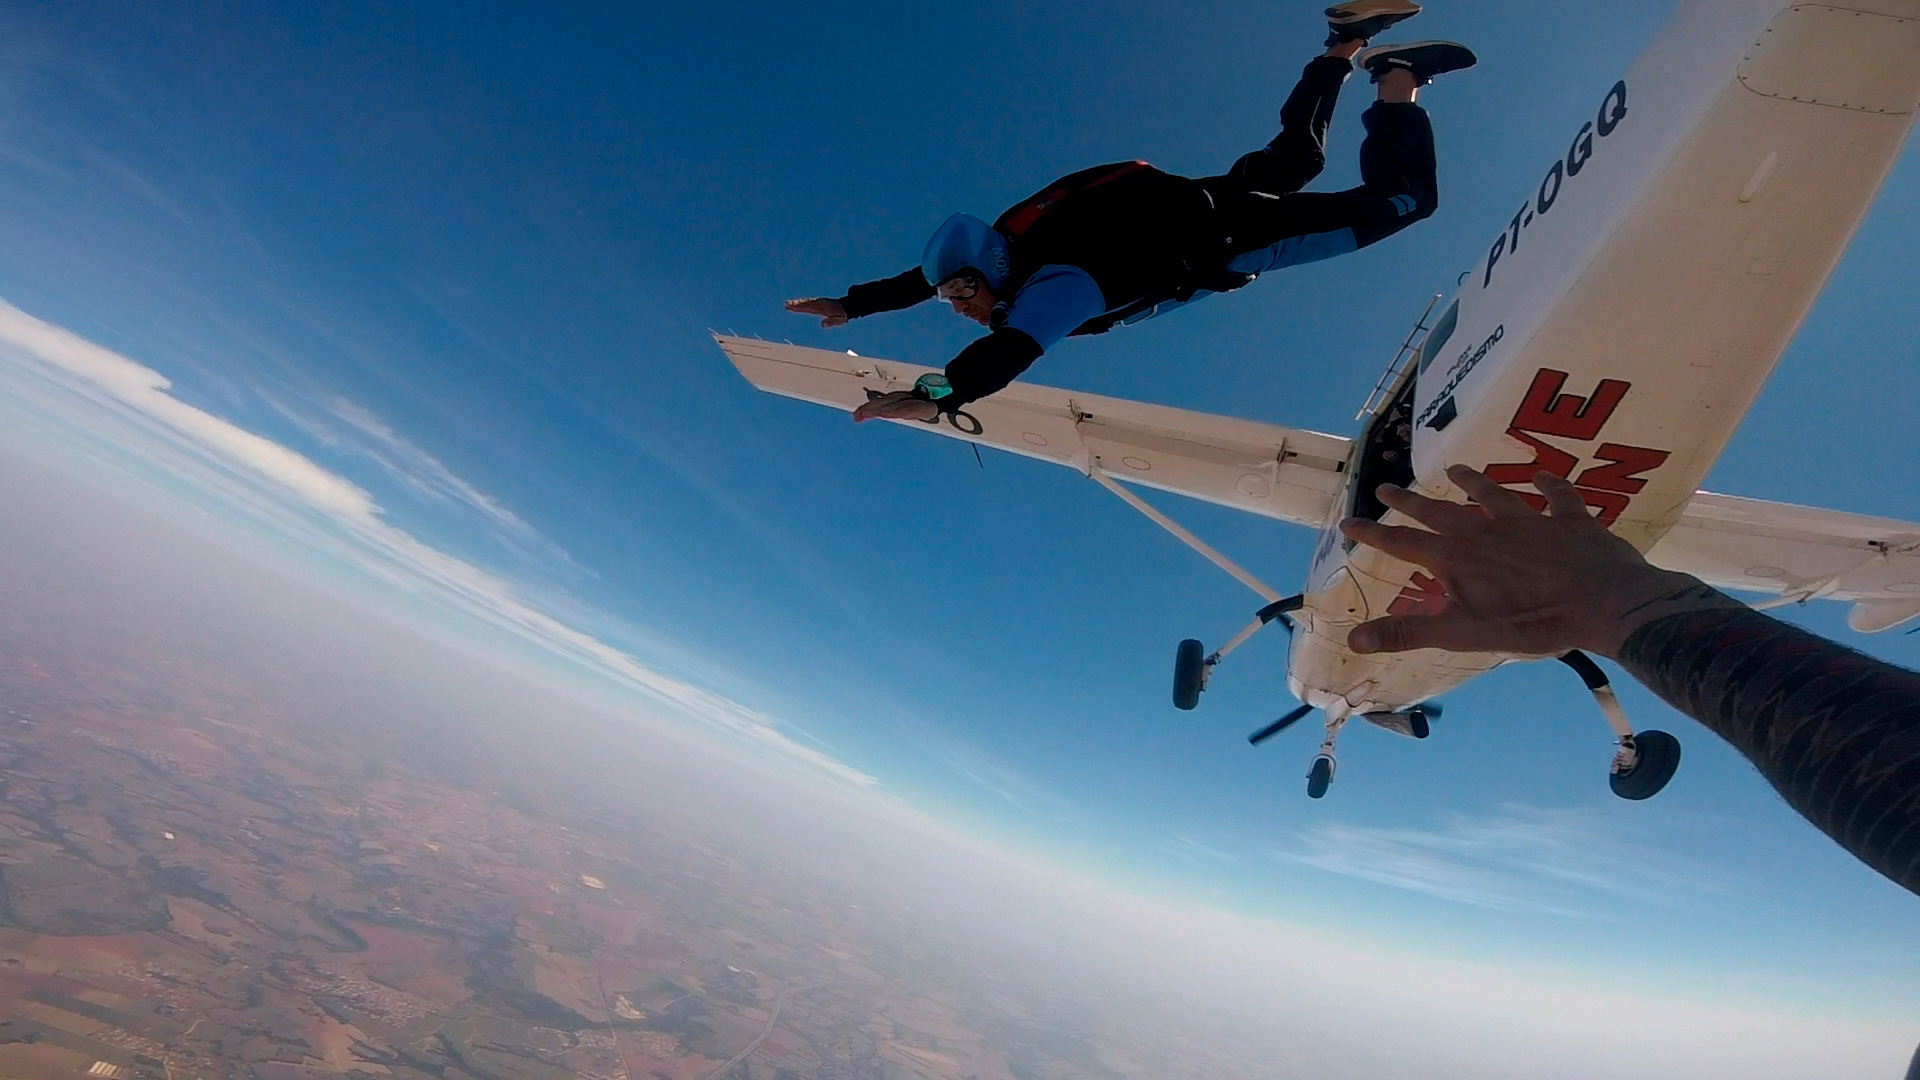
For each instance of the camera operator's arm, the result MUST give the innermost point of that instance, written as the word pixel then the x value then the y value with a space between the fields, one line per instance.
pixel 1835 732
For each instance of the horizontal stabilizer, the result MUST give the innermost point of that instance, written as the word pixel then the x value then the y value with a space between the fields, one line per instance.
pixel 1799 553
pixel 1273 471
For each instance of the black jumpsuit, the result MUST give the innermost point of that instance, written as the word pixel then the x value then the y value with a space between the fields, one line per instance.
pixel 1140 242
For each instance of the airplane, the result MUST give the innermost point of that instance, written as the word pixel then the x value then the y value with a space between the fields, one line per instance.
pixel 1614 332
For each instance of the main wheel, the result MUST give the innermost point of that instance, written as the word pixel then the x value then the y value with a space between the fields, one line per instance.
pixel 1319 777
pixel 1656 758
pixel 1189 673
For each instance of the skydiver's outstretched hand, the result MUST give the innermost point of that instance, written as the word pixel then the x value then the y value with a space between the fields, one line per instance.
pixel 1519 581
pixel 899 405
pixel 831 312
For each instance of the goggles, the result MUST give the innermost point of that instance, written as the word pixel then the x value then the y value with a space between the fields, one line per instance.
pixel 963 286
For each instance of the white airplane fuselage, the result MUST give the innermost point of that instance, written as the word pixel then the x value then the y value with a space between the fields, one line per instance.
pixel 1617 329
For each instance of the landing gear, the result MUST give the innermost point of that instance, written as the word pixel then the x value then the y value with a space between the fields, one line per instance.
pixel 1644 761
pixel 1189 674
pixel 1413 722
pixel 1320 773
pixel 1319 776
pixel 1650 759
pixel 1192 667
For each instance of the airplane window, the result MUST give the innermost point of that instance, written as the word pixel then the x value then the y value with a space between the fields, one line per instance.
pixel 1437 337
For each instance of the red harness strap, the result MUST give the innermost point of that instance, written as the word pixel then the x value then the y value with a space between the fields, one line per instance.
pixel 1021 218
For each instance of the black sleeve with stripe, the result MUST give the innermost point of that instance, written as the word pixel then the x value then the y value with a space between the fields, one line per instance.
pixel 888 294
pixel 1836 733
pixel 988 365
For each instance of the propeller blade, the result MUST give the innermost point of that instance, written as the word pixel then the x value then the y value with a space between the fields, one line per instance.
pixel 1433 709
pixel 1279 725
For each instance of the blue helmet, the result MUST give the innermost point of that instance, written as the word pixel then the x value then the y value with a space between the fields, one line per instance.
pixel 965 242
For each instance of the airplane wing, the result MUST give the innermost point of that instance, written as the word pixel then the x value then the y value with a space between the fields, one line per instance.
pixel 1800 553
pixel 1273 471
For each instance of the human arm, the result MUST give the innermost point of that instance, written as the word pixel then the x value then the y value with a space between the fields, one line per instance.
pixel 1050 304
pixel 1053 301
pixel 902 290
pixel 983 367
pixel 832 312
pixel 1836 733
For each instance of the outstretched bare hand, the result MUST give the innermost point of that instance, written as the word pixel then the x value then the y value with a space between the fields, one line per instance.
pixel 1519 581
pixel 832 313
pixel 899 405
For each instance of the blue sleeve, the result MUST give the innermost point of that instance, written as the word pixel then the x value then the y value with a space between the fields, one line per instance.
pixel 1054 302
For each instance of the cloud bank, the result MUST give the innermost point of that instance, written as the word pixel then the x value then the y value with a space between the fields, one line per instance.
pixel 1521 859
pixel 75 382
pixel 1452 1017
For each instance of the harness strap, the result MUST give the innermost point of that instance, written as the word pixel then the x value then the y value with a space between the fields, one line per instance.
pixel 1022 217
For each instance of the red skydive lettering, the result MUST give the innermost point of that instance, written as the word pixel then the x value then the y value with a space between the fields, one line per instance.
pixel 1424 596
pixel 1622 474
pixel 1546 411
pixel 1546 458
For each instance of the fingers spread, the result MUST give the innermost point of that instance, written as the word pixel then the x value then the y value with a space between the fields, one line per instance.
pixel 1562 497
pixel 1413 545
pixel 1392 634
pixel 1498 501
pixel 1401 633
pixel 1435 514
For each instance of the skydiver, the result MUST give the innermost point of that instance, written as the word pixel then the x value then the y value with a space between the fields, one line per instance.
pixel 1116 244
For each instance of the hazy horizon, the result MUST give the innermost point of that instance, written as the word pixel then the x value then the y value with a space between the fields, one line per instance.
pixel 379 506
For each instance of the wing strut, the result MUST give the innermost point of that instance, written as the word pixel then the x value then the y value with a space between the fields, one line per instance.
pixel 1099 476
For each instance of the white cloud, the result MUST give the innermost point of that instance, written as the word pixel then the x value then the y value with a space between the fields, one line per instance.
pixel 95 385
pixel 1450 1019
pixel 985 770
pixel 349 428
pixel 145 390
pixel 1187 847
pixel 1571 862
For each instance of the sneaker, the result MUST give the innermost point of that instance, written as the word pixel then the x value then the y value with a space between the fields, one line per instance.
pixel 1424 58
pixel 1359 20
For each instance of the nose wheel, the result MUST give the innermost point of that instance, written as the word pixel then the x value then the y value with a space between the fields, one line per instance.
pixel 1643 761
pixel 1319 775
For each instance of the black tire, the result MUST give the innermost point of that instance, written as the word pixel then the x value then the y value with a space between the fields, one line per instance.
pixel 1657 761
pixel 1319 777
pixel 1189 672
pixel 1417 722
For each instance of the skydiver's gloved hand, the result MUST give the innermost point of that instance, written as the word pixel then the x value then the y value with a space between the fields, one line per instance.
pixel 832 313
pixel 1519 581
pixel 899 405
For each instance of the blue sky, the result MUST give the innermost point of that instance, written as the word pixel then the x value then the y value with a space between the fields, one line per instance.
pixel 465 257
